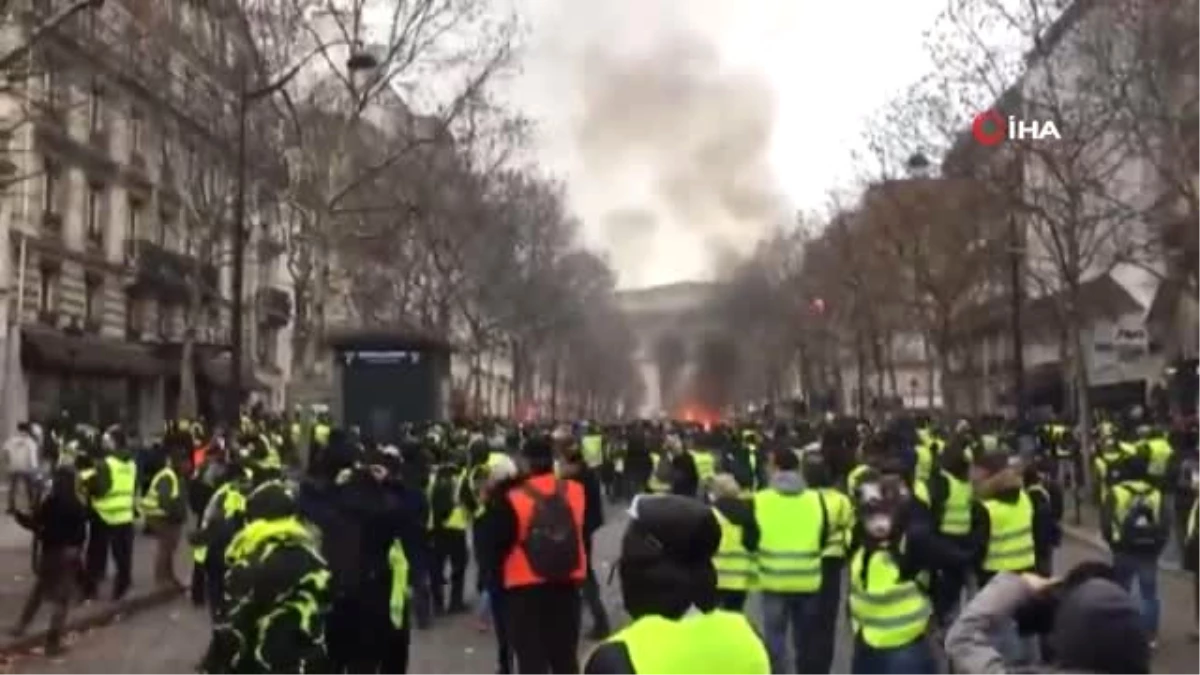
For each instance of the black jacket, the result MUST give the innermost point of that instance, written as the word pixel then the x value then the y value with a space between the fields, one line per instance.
pixel 740 512
pixel 59 523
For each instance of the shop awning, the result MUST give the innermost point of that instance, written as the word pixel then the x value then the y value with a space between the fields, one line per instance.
pixel 87 354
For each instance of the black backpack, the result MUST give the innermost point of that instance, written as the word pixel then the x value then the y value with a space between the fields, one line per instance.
pixel 552 544
pixel 441 497
pixel 1140 529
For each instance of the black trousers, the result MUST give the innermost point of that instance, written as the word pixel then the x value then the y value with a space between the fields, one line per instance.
pixel 543 624
pixel 448 546
pixel 829 600
pixel 504 655
pixel 388 656
pixel 591 596
pixel 103 538
pixel 733 601
pixel 199 583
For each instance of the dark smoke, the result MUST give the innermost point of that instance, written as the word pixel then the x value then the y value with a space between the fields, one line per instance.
pixel 714 381
pixel 696 132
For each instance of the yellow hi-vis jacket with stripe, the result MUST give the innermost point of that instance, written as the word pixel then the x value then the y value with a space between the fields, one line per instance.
pixel 887 610
pixel 789 549
pixel 839 515
pixel 734 564
pixel 1010 544
pixel 713 642
pixel 115 507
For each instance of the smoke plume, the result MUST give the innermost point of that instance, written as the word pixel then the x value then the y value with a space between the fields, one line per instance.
pixel 695 133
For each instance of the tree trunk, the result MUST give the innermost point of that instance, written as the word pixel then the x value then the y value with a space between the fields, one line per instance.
pixel 1080 365
pixel 860 359
pixel 931 366
pixel 188 404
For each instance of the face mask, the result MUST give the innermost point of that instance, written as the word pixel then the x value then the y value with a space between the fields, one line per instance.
pixel 879 525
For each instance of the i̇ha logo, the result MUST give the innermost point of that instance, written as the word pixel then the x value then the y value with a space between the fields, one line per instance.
pixel 990 128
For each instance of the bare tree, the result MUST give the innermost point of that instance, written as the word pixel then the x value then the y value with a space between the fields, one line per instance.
pixel 1082 208
pixel 459 42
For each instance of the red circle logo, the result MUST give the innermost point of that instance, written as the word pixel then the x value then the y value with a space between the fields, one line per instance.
pixel 989 128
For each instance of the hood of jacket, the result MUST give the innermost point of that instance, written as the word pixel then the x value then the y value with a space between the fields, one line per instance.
pixel 1004 485
pixel 787 482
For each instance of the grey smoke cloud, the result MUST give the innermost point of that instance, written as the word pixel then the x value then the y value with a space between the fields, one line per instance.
pixel 695 132
pixel 629 232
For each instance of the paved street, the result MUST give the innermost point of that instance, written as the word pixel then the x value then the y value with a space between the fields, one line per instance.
pixel 170 639
pixel 16 578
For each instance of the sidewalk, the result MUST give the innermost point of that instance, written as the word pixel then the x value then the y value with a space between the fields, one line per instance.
pixel 16 579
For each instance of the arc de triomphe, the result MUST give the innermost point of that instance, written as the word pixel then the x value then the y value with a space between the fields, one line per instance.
pixel 672 313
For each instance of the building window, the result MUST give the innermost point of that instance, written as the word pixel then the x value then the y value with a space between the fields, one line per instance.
pixel 164 320
pixel 92 301
pixel 50 183
pixel 164 224
pixel 135 314
pixel 266 345
pixel 96 107
pixel 95 214
pixel 135 218
pixel 136 130
pixel 48 289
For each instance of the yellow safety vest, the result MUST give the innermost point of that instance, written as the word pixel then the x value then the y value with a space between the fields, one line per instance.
pixel 734 564
pixel 150 505
pixel 718 642
pixel 654 484
pixel 956 513
pixel 398 600
pixel 925 458
pixel 789 549
pixel 226 501
pixel 116 506
pixel 856 477
pixel 840 511
pixel 706 464
pixel 887 611
pixel 321 434
pixel 1123 495
pixel 1010 547
pixel 592 447
pixel 1160 456
pixel 457 518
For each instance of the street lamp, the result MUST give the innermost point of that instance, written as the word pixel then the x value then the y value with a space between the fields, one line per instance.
pixel 358 61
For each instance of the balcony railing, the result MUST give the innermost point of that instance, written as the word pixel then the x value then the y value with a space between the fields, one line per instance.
pixel 169 274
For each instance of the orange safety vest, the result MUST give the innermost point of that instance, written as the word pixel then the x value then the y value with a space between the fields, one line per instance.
pixel 199 453
pixel 517 571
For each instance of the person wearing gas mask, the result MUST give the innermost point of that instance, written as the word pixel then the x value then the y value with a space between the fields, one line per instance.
pixel 889 580
pixel 1089 624
pixel 110 486
pixel 669 588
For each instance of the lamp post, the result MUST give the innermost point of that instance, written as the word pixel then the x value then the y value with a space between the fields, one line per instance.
pixel 358 61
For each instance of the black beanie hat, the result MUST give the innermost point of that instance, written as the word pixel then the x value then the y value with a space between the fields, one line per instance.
pixel 1098 629
pixel 671 527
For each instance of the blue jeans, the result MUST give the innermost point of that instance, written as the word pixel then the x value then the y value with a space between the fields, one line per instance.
pixel 781 611
pixel 915 658
pixel 1142 569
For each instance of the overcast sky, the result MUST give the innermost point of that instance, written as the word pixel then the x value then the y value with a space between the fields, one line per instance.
pixel 686 128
